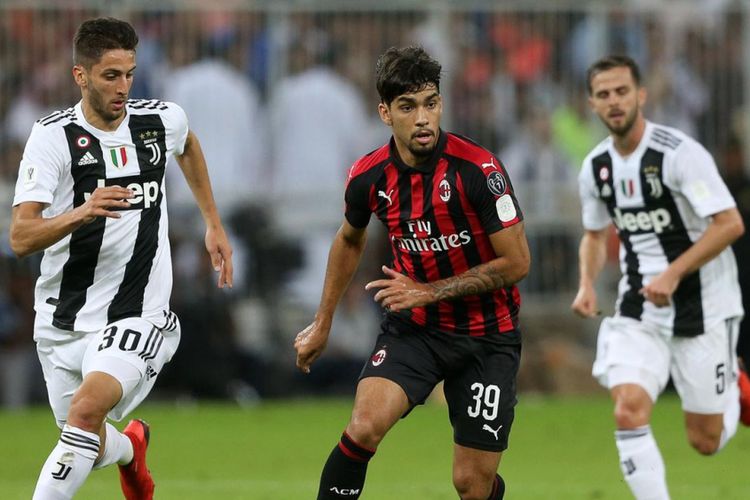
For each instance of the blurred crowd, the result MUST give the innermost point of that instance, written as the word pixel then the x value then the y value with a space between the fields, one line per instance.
pixel 283 102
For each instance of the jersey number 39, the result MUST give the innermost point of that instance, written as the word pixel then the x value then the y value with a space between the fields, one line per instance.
pixel 486 401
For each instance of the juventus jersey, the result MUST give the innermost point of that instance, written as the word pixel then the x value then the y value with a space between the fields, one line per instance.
pixel 660 199
pixel 439 218
pixel 111 268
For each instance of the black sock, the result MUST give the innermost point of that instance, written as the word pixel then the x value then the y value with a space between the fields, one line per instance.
pixel 498 488
pixel 344 473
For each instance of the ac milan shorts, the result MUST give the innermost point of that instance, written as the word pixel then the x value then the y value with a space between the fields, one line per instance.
pixel 479 374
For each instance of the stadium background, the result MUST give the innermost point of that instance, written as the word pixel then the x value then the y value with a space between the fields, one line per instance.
pixel 281 96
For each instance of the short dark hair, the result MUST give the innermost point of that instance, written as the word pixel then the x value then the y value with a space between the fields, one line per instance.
pixel 96 36
pixel 609 62
pixel 407 69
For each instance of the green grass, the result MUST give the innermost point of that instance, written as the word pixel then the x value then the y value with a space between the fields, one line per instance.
pixel 559 449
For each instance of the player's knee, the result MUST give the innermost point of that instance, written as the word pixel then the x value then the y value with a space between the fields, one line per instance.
pixel 704 441
pixel 630 415
pixel 86 413
pixel 366 430
pixel 473 485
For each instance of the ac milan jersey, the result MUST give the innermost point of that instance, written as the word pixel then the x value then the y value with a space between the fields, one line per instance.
pixel 111 268
pixel 439 217
pixel 660 198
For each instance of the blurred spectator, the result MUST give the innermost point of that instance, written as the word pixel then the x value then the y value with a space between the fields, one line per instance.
pixel 526 46
pixel 574 130
pixel 318 127
pixel 20 375
pixel 614 31
pixel 225 112
pixel 538 164
pixel 678 94
pixel 473 94
pixel 19 369
pixel 541 170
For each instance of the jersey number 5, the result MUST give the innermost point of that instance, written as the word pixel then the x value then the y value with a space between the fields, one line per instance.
pixel 721 383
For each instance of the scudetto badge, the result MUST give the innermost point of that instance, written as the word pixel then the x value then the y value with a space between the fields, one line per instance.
pixel 496 183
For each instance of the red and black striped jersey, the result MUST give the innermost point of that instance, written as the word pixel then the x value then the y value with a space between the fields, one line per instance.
pixel 439 217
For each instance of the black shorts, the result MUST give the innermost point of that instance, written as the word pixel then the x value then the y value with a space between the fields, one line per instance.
pixel 479 373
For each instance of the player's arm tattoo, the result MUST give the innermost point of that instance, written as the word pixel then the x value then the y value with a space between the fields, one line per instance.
pixel 477 280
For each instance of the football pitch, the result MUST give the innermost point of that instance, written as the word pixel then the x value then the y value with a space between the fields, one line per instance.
pixel 559 449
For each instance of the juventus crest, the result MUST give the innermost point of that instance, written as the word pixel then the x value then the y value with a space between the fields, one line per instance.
pixel 652 176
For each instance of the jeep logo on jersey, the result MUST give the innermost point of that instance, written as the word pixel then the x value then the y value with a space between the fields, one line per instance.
pixel 642 221
pixel 146 193
pixel 496 183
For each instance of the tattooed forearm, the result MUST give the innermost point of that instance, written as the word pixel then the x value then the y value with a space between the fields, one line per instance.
pixel 477 280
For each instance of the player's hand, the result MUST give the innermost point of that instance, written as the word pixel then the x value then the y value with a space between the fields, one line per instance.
pixel 310 344
pixel 220 251
pixel 585 303
pixel 398 292
pixel 660 290
pixel 103 201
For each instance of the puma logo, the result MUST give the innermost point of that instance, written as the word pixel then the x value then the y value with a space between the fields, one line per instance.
pixel 491 164
pixel 387 196
pixel 492 431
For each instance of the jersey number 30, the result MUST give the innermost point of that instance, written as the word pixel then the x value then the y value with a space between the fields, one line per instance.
pixel 128 340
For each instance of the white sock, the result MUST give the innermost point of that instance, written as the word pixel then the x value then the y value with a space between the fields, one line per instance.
pixel 641 463
pixel 68 466
pixel 118 449
pixel 731 415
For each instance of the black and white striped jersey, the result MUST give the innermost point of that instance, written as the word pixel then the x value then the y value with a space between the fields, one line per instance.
pixel 660 198
pixel 111 268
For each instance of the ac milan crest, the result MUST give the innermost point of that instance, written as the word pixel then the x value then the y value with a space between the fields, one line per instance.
pixel 378 358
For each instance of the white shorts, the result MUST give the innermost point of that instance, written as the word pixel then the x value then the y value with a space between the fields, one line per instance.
pixel 703 368
pixel 132 350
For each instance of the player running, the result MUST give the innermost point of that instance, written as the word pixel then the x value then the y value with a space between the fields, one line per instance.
pixel 90 194
pixel 679 303
pixel 449 295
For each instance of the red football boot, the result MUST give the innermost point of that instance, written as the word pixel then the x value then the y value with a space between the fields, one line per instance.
pixel 135 478
pixel 744 382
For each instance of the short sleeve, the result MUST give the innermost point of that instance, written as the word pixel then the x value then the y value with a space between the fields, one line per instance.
pixel 41 166
pixel 177 126
pixel 356 199
pixel 696 176
pixel 490 192
pixel 594 213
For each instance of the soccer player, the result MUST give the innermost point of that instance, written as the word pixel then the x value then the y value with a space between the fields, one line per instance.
pixel 90 193
pixel 449 295
pixel 679 302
